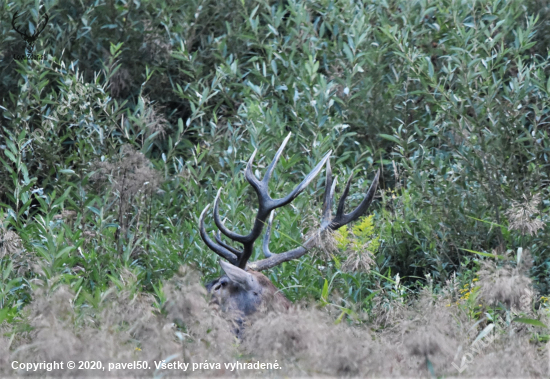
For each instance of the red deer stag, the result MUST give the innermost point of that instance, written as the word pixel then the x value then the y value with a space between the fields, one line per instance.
pixel 243 288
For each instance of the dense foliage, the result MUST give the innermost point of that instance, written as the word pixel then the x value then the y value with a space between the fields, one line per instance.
pixel 114 143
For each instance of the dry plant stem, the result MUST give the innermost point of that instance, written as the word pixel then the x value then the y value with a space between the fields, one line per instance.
pixel 82 200
pixel 120 229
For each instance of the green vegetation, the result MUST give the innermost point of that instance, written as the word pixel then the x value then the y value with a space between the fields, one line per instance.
pixel 114 143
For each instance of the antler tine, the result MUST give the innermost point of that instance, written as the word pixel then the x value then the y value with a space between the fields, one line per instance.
pixel 266 202
pixel 219 240
pixel 273 163
pixel 267 237
pixel 14 18
pixel 330 187
pixel 234 236
pixel 218 249
pixel 342 202
pixel 250 177
pixel 342 219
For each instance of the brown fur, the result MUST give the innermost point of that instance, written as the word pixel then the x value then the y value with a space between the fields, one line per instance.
pixel 271 292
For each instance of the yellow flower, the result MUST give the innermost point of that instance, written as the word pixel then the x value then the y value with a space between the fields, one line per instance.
pixel 475 280
pixel 138 349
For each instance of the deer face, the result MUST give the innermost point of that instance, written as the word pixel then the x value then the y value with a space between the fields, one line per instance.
pixel 244 292
pixel 243 289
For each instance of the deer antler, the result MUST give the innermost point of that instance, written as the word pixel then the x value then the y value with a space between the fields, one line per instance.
pixel 265 207
pixel 327 222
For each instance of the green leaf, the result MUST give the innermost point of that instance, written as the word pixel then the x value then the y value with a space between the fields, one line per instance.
pixel 430 67
pixel 7 166
pixel 12 146
pixel 324 293
pixel 340 318
pixel 368 298
pixel 484 254
pixel 484 332
pixel 337 263
pixel 487 222
pixel 385 277
pixel 62 197
pixel 390 138
pixel 4 314
pixel 10 156
pixel 64 251
pixel 529 321
pixel 95 210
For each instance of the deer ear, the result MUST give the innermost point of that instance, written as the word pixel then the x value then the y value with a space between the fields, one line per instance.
pixel 238 275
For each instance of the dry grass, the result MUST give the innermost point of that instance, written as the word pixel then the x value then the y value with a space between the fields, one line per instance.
pixel 505 285
pixel 417 340
pixel 130 174
pixel 10 243
pixel 125 329
pixel 522 215
pixel 11 246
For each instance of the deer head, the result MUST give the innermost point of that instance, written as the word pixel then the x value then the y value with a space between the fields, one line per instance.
pixel 244 289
